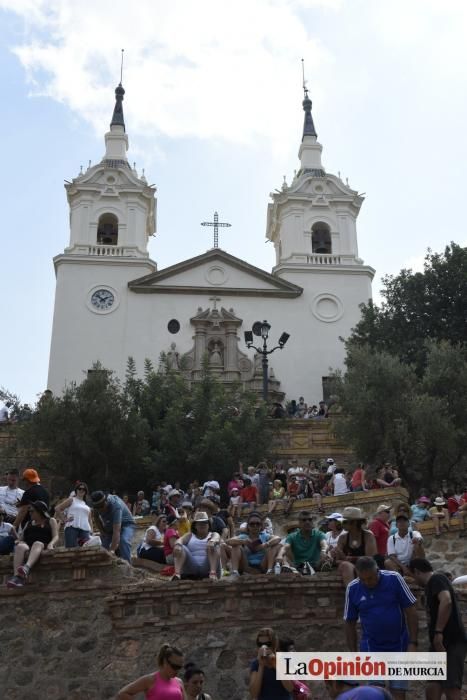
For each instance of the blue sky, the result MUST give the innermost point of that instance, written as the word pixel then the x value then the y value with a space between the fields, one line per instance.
pixel 213 114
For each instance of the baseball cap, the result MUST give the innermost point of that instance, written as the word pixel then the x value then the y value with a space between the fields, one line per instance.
pixel 31 475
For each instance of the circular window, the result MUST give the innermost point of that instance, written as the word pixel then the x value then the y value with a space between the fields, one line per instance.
pixel 111 179
pixel 327 307
pixel 216 275
pixel 173 326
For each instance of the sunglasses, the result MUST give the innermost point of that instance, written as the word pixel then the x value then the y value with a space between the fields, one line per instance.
pixel 175 667
pixel 263 643
pixel 306 520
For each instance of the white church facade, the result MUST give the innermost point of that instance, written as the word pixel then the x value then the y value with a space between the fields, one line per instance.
pixel 112 302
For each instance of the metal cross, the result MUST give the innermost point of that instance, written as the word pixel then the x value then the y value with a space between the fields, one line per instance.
pixel 216 223
pixel 214 300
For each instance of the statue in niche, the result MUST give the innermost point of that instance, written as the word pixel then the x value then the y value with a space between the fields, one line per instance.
pixel 173 361
pixel 215 357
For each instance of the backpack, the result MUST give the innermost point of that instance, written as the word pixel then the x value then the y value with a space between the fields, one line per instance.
pixel 394 537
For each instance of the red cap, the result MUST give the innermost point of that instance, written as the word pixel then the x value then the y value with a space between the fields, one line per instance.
pixel 31 475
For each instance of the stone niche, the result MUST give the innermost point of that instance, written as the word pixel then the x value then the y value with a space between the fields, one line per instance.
pixel 216 341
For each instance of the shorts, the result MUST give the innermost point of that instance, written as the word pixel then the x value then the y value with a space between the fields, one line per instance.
pixel 193 568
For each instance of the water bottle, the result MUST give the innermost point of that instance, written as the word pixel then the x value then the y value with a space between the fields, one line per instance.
pixel 277 568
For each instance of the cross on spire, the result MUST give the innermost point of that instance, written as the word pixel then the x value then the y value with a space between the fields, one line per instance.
pixel 214 302
pixel 216 224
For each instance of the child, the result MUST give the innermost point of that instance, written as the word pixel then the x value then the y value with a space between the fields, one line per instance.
pixel 234 503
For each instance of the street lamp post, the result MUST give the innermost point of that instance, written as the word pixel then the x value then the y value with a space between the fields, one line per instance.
pixel 262 329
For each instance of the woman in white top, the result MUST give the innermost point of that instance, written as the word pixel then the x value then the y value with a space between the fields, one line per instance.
pixel 339 483
pixel 152 547
pixel 333 533
pixel 78 522
pixel 198 553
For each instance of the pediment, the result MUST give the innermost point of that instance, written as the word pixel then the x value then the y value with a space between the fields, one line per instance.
pixel 215 272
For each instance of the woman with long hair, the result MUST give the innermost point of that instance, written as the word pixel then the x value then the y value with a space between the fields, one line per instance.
pixel 78 519
pixel 263 682
pixel 163 684
pixel 41 532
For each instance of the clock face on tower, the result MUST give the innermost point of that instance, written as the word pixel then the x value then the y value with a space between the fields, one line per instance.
pixel 102 299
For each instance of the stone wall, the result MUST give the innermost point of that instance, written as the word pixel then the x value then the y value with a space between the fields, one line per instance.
pixel 88 623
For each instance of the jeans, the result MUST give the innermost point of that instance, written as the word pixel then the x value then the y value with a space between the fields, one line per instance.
pixel 73 534
pixel 7 544
pixel 126 537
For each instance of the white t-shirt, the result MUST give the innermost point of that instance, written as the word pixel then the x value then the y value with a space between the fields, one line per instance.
pixel 340 485
pixel 5 529
pixel 77 515
pixel 157 534
pixel 332 538
pixel 402 547
pixel 198 548
pixel 9 498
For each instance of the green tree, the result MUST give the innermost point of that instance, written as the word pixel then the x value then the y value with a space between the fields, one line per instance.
pixel 418 306
pixel 391 413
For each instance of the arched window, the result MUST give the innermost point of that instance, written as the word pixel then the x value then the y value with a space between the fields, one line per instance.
pixel 107 229
pixel 321 238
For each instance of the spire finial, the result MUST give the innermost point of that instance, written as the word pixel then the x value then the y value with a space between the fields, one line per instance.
pixel 117 116
pixel 308 126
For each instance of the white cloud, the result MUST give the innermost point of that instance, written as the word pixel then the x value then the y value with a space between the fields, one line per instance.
pixel 191 69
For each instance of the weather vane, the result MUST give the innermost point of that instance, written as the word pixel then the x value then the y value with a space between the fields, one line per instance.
pixel 216 223
pixel 305 89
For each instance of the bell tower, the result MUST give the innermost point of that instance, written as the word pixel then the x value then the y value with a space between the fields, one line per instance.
pixel 112 216
pixel 312 221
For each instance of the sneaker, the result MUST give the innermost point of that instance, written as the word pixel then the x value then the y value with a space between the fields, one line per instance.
pixel 15 582
pixel 176 577
pixel 213 576
pixel 23 571
pixel 270 571
pixel 287 569
pixel 307 569
pixel 234 574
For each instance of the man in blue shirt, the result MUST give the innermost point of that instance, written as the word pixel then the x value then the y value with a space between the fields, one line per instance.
pixel 386 608
pixel 115 522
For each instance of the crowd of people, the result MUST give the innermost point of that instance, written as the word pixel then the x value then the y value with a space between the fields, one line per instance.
pixel 300 409
pixel 208 532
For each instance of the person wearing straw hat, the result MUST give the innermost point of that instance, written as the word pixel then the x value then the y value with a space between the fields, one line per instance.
pixel 440 515
pixel 198 553
pixel 40 532
pixel 356 541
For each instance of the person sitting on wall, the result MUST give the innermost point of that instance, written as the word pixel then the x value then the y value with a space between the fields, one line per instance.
pixel 198 553
pixel 440 515
pixel 34 492
pixel 403 546
pixel 249 494
pixel 152 546
pixel 78 521
pixel 254 549
pixel 353 543
pixel 420 510
pixel 305 550
pixel 8 535
pixel 10 495
pixel 141 506
pixel 40 532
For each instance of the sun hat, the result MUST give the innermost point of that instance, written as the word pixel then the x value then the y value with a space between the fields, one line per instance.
pixel 201 517
pixel 172 493
pixel 423 499
pixel 330 460
pixel 234 489
pixel 41 507
pixel 31 475
pixel 335 516
pixel 439 501
pixel 353 513
pixel 187 504
pixel 382 508
pixel 97 498
pixel 212 485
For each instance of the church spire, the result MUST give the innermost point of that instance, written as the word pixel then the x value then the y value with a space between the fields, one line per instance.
pixel 308 125
pixel 117 116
